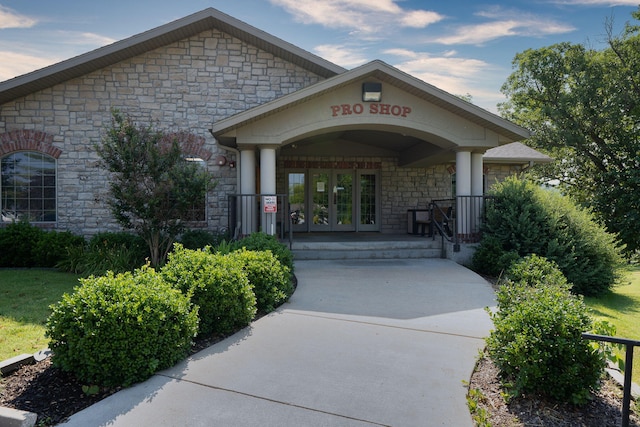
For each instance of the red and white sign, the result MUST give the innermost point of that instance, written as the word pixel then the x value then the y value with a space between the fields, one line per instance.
pixel 269 204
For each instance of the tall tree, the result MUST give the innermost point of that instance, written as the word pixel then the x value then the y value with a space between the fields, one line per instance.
pixel 583 106
pixel 153 185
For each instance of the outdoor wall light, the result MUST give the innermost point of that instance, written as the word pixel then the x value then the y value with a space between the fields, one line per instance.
pixel 221 160
pixel 232 164
pixel 371 92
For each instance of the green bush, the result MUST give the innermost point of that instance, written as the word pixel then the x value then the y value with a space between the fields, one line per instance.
pixel 108 251
pixel 198 239
pixel 217 284
pixel 262 242
pixel 17 241
pixel 537 341
pixel 118 330
pixel 525 219
pixel 270 279
pixel 52 247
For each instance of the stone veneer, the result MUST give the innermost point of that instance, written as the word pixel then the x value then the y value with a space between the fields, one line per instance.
pixel 184 86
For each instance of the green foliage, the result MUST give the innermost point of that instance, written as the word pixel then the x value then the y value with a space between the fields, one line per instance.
pixel 118 330
pixel 475 400
pixel 107 251
pixel 153 186
pixel 17 241
pixel 53 245
pixel 537 341
pixel 198 239
pixel 262 242
pixel 25 245
pixel 525 219
pixel 270 279
pixel 217 284
pixel 582 106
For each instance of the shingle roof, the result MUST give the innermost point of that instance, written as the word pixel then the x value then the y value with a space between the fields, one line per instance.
pixel 515 152
pixel 162 36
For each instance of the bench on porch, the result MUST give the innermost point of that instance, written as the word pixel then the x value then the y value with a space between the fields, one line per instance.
pixel 419 221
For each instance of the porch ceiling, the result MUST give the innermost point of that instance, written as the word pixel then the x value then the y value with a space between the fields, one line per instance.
pixel 410 150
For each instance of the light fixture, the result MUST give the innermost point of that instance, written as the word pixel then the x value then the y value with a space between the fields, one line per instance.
pixel 371 92
pixel 232 164
pixel 221 160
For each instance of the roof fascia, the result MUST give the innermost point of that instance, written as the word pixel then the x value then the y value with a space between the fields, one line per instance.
pixel 162 36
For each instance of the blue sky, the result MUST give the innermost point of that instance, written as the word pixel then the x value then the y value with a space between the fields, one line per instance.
pixel 463 47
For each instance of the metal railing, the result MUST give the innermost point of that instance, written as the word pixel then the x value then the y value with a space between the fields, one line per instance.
pixel 459 219
pixel 269 213
pixel 628 366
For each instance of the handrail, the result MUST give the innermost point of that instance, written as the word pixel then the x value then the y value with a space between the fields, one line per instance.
pixel 245 215
pixel 628 366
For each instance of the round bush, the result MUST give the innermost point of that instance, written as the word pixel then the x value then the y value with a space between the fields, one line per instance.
pixel 217 284
pixel 262 242
pixel 198 239
pixel 17 242
pixel 53 247
pixel 118 330
pixel 537 341
pixel 270 279
pixel 524 219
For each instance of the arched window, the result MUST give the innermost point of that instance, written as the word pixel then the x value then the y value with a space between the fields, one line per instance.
pixel 28 187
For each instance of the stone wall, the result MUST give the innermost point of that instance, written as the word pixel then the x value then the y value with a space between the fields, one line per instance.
pixel 185 86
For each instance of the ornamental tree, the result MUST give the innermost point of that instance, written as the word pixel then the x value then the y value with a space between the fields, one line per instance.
pixel 583 106
pixel 153 185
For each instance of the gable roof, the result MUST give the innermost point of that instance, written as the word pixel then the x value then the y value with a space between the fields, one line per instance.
pixel 385 73
pixel 161 36
pixel 515 152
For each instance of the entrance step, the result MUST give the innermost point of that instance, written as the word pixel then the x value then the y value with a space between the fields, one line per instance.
pixel 388 249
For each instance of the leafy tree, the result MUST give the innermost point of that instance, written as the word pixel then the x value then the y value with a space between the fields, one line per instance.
pixel 153 186
pixel 583 106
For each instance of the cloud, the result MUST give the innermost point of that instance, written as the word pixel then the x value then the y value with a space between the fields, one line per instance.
pixel 365 16
pixel 505 24
pixel 84 39
pixel 15 64
pixel 607 3
pixel 11 19
pixel 341 55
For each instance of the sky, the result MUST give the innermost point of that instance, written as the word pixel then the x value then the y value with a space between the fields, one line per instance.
pixel 463 47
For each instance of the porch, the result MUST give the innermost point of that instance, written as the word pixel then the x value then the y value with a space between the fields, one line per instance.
pixel 446 227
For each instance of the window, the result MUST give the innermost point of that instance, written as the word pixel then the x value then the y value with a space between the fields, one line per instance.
pixel 28 187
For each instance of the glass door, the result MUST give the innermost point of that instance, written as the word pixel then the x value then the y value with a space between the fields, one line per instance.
pixel 297 200
pixel 320 190
pixel 342 213
pixel 369 209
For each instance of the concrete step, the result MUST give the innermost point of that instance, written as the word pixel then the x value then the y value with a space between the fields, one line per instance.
pixel 418 248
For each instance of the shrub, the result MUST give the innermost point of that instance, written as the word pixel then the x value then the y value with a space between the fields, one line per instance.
pixel 118 330
pixel 525 219
pixel 116 252
pixel 198 239
pixel 53 246
pixel 262 242
pixel 17 241
pixel 217 284
pixel 537 341
pixel 270 279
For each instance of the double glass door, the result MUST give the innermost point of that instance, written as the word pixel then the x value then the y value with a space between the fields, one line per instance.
pixel 333 200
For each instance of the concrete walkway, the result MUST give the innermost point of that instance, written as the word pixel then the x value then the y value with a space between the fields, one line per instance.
pixel 361 343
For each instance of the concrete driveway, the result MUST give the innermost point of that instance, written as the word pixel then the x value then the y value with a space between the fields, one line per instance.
pixel 361 343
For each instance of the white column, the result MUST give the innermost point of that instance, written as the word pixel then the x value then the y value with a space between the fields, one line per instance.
pixel 477 190
pixel 463 188
pixel 477 174
pixel 268 185
pixel 248 215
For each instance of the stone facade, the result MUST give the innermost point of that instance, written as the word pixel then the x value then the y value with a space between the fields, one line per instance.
pixel 184 86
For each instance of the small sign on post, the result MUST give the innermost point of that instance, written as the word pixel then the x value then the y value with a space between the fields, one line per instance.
pixel 269 204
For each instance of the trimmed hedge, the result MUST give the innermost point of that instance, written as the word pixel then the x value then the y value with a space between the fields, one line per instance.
pixel 271 281
pixel 537 341
pixel 118 330
pixel 214 282
pixel 525 219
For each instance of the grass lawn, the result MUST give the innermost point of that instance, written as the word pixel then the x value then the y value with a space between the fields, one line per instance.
pixel 621 307
pixel 25 296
